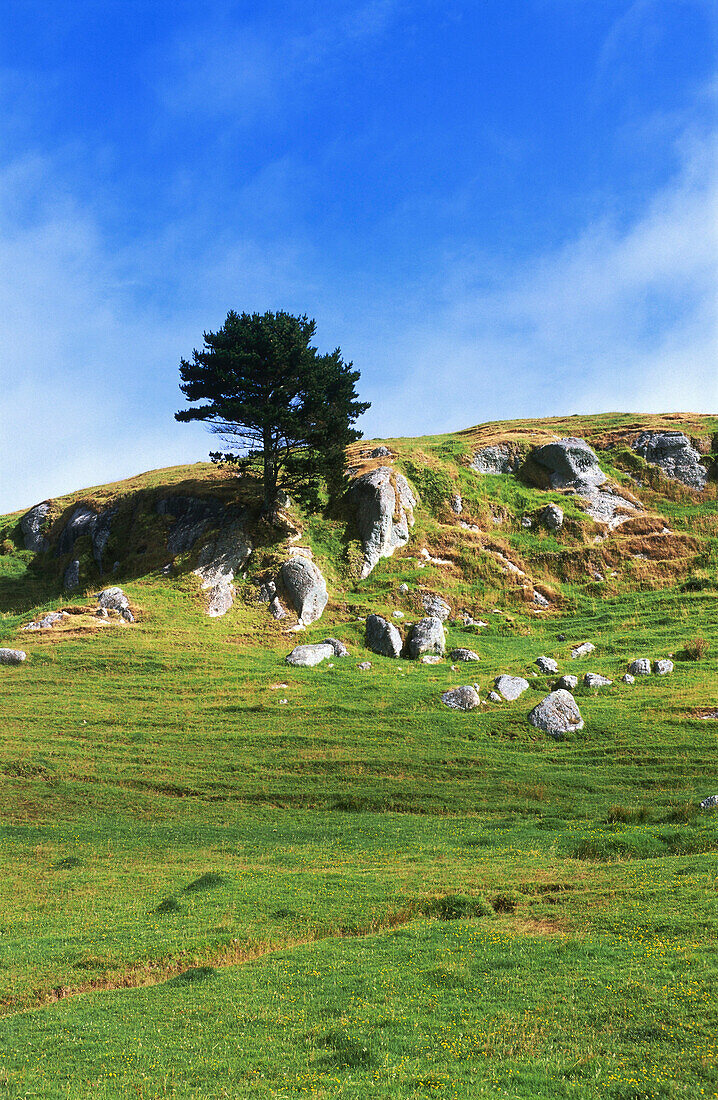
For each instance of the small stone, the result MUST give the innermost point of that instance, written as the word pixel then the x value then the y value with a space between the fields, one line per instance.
pixel 582 650
pixel 340 650
pixel 628 679
pixel 307 656
pixel 461 698
pixel 456 505
pixel 398 614
pixel 430 659
pixel 663 667
pixel 495 697
pixel 277 609
pixel 551 517
pixel 710 802
pixel 403 588
pixel 546 664
pixel 561 638
pixel 640 667
pixel 364 666
pixel 593 680
pixel 114 599
pixel 464 655
pixel 12 656
pixel 526 521
pixel 567 682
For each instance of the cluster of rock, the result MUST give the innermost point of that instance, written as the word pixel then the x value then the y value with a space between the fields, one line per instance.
pixel 674 454
pixel 47 621
pixel 424 638
pixel 643 666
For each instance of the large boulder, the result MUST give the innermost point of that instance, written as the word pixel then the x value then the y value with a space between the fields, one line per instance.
pixel 306 588
pixel 192 516
pixel 557 715
pixel 113 599
pixel 567 682
pixel 461 698
pixel 568 464
pixel 640 667
pixel 427 636
pixel 674 454
pixel 12 656
pixel 663 667
pixel 32 526
pixel 497 459
pixel 307 656
pixel 383 637
pixel 384 513
pixel 510 687
pixel 219 560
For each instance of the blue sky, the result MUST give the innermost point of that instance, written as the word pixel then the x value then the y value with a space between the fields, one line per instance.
pixel 497 208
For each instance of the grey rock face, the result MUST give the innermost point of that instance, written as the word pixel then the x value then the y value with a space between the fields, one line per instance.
pixel 593 680
pixel 383 637
pixel 113 599
pixel 32 525
pixel 378 452
pixel 551 517
pixel 546 664
pixel 306 588
pixel 307 656
pixel 627 678
pixel 101 534
pixel 557 715
pixel 84 521
pixel 192 516
pixel 582 650
pixel 672 451
pixel 566 682
pixel 71 579
pixel 385 511
pixel 640 667
pixel 663 668
pixel 267 591
pixel 540 600
pixel 495 460
pixel 277 609
pixel 461 698
pixel 434 605
pixel 221 598
pixel 569 463
pixel 710 802
pixel 219 560
pixel 457 505
pixel 510 687
pixel 430 659
pixel 427 636
pixel 464 655
pixel 340 650
pixel 12 656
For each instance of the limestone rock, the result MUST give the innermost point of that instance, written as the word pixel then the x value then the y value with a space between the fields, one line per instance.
pixel 192 516
pixel 434 605
pixel 340 650
pixel 12 656
pixel 582 650
pixel 663 668
pixel 430 659
pixel 307 656
pixel 461 698
pixel 551 517
pixel 306 588
pixel 627 678
pixel 113 599
pixel 546 664
pixel 385 512
pixel 593 680
pixel 495 697
pixel 403 588
pixel 497 459
pixel 221 598
pixel 567 682
pixel 640 667
pixel 220 560
pixel 71 578
pixel 673 453
pixel 456 505
pixel 378 452
pixel 557 714
pixel 32 525
pixel 540 599
pixel 48 621
pixel 427 636
pixel 569 463
pixel 383 637
pixel 277 609
pixel 510 687
pixel 84 521
pixel 464 655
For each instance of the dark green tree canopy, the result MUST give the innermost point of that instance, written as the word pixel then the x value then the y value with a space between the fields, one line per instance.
pixel 279 405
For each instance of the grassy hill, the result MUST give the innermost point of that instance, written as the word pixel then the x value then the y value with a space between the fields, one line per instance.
pixel 227 877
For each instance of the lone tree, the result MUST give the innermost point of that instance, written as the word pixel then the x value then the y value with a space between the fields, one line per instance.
pixel 286 409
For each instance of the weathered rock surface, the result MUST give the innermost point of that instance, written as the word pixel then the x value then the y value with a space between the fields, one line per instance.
pixel 364 666
pixel 461 698
pixel 640 667
pixel 464 655
pixel 113 599
pixel 551 517
pixel 674 454
pixel 306 588
pixel 192 516
pixel 569 464
pixel 495 697
pixel 384 511
pixel 12 656
pixel 540 600
pixel 593 680
pixel 32 525
pixel 627 678
pixel 307 656
pixel 497 459
pixel 427 636
pixel 220 599
pixel 47 622
pixel 557 714
pixel 434 605
pixel 546 664
pixel 277 609
pixel 378 452
pixel 663 667
pixel 340 650
pixel 71 577
pixel 582 650
pixel 84 521
pixel 383 637
pixel 457 505
pixel 510 687
pixel 567 682
pixel 219 561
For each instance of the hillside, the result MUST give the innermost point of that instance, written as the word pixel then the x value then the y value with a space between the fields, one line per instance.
pixel 502 912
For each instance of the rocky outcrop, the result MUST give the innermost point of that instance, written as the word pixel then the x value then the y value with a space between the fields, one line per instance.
pixel 674 454
pixel 114 599
pixel 497 459
pixel 434 605
pixel 510 687
pixel 383 637
pixel 427 637
pixel 340 650
pixel 384 513
pixel 557 715
pixel 570 464
pixel 32 526
pixel 219 560
pixel 71 576
pixel 83 521
pixel 47 622
pixel 307 656
pixel 192 516
pixel 461 698
pixel 306 588
pixel 12 656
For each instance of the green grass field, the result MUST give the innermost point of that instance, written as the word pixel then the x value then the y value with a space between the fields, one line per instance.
pixel 209 891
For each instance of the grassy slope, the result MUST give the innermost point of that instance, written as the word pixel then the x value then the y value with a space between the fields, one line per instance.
pixel 165 810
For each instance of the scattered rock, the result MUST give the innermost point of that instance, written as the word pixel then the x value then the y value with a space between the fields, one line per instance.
pixel 567 682
pixel 627 678
pixel 340 650
pixel 569 463
pixel 307 656
pixel 510 687
pixel 403 588
pixel 364 666
pixel 640 667
pixel 398 614
pixel 526 521
pixel 277 609
pixel 385 512
pixel 461 698
pixel 71 578
pixel 593 680
pixel 430 659
pixel 582 650
pixel 378 452
pixel 495 697
pixel 434 561
pixel 192 516
pixel 673 453
pixel 48 621
pixel 32 525
pixel 551 517
pixel 497 459
pixel 221 598
pixel 663 668
pixel 546 664
pixel 267 591
pixel 114 599
pixel 457 505
pixel 427 636
pixel 540 599
pixel 435 606
pixel 306 588
pixel 561 638
pixel 464 655
pixel 383 637
pixel 557 715
pixel 101 613
pixel 12 656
